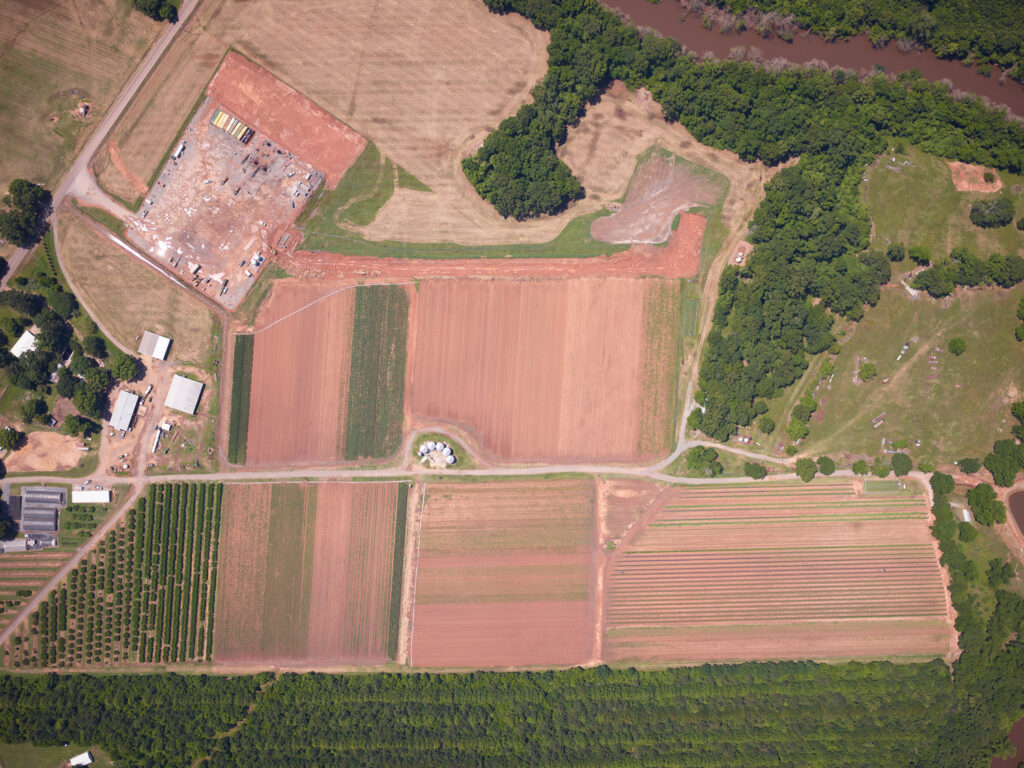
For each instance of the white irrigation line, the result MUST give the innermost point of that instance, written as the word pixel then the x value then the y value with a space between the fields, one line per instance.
pixel 323 298
pixel 416 572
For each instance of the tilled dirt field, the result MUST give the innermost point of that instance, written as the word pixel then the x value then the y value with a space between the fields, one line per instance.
pixel 971 178
pixel 536 370
pixel 300 376
pixel 778 571
pixel 504 575
pixel 45 452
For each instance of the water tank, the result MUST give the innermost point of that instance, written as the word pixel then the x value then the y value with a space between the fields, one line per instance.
pixel 449 459
pixel 447 451
pixel 431 445
pixel 441 446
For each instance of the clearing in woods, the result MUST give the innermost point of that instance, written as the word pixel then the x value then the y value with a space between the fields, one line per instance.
pixel 550 369
pixel 505 575
pixel 129 297
pixel 778 571
pixel 307 573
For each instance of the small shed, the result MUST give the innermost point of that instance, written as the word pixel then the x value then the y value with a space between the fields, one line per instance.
pixel 124 410
pixel 24 344
pixel 154 345
pixel 184 394
pixel 83 759
pixel 90 497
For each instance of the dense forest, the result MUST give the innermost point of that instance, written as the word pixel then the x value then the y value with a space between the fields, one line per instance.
pixel 988 31
pixel 811 230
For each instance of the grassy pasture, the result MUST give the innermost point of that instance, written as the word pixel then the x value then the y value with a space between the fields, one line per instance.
pixel 241 387
pixel 31 756
pixel 48 50
pixel 660 395
pixel 373 427
pixel 129 297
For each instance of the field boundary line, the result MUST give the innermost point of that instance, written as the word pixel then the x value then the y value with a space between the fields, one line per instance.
pixel 416 572
pixel 324 298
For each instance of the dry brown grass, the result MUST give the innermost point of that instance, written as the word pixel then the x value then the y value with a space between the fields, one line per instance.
pixel 47 49
pixel 424 79
pixel 126 297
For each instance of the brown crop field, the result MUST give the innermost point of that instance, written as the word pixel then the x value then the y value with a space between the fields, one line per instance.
pixel 533 370
pixel 778 571
pixel 300 376
pixel 307 573
pixel 27 572
pixel 504 575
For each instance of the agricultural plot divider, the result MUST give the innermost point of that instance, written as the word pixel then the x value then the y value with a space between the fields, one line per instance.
pixel 144 595
pixel 241 390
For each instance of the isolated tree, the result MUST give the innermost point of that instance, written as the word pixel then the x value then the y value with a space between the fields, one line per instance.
pixel 32 409
pixel 766 424
pixel 1020 223
pixel 124 367
pixel 797 430
pixel 919 255
pixel 868 371
pixel 806 469
pixel 695 421
pixel 969 465
pixel 754 470
pixel 702 460
pixel 968 532
pixel 825 465
pixel 10 438
pixel 985 505
pixel 990 213
pixel 880 468
pixel 957 346
pixel 901 464
pixel 896 252
pixel 942 483
pixel 860 467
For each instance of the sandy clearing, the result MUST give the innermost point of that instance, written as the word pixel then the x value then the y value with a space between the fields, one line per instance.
pixel 533 370
pixel 300 376
pixel 971 178
pixel 44 452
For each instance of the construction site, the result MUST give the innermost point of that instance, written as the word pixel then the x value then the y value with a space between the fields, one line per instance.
pixel 221 204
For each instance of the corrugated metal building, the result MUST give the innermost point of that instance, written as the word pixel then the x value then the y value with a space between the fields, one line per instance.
pixel 154 345
pixel 184 394
pixel 124 410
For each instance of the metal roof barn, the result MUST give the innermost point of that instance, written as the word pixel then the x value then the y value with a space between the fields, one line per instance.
pixel 90 497
pixel 124 410
pixel 38 518
pixel 184 394
pixel 24 344
pixel 154 345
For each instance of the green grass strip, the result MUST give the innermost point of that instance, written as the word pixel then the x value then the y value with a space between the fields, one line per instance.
pixel 397 567
pixel 373 427
pixel 241 386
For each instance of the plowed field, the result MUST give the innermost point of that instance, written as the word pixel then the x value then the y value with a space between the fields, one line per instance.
pixel 504 575
pixel 778 571
pixel 307 573
pixel 550 370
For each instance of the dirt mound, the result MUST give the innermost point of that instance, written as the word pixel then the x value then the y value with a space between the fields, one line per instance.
pixel 971 178
pixel 659 190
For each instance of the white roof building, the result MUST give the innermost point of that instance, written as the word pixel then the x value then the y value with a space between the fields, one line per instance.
pixel 184 394
pixel 90 497
pixel 83 759
pixel 124 410
pixel 154 345
pixel 24 344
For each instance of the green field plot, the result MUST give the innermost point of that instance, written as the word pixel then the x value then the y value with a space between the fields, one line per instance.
pixel 660 367
pixel 241 385
pixel 954 405
pixel 144 595
pixel 377 381
pixel 913 201
pixel 690 310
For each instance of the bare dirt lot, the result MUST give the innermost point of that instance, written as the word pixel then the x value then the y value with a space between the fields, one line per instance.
pixel 659 190
pixel 220 205
pixel 504 575
pixel 538 370
pixel 300 376
pixel 306 574
pixel 971 178
pixel 782 570
pixel 44 452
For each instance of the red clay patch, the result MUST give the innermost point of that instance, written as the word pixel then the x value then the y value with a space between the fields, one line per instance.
pixel 122 167
pixel 256 97
pixel 971 178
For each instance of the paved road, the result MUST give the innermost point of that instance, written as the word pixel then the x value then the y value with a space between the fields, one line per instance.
pixel 79 170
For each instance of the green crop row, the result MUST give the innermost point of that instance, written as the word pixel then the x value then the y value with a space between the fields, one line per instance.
pixel 241 387
pixel 373 425
pixel 143 595
pixel 397 566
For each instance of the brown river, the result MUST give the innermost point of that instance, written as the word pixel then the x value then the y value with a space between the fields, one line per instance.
pixel 857 54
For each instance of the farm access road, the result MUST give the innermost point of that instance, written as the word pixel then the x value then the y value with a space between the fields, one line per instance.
pixel 78 178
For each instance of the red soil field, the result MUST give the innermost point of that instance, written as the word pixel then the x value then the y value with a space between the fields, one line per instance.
pixel 305 574
pixel 538 370
pixel 259 99
pixel 680 257
pixel 300 376
pixel 778 571
pixel 504 575
pixel 971 178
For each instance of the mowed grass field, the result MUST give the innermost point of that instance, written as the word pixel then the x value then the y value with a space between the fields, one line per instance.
pixel 504 574
pixel 778 571
pixel 917 204
pixel 241 391
pixel 47 50
pixel 310 573
pixel 128 297
pixel 955 406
